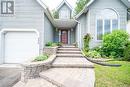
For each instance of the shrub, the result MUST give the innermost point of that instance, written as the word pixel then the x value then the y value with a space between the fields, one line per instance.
pixel 59 44
pixel 87 39
pixel 92 54
pixel 49 44
pixel 127 52
pixel 114 43
pixel 41 57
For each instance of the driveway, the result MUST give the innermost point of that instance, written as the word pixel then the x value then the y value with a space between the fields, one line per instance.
pixel 9 75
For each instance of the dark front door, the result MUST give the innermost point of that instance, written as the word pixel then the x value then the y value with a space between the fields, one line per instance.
pixel 64 36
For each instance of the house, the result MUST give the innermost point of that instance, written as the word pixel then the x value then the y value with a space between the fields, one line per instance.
pixel 27 25
pixel 100 17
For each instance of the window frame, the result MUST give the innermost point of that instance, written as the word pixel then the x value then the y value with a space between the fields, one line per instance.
pixel 7 13
pixel 111 23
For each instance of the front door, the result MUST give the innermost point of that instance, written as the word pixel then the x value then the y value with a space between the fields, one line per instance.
pixel 64 36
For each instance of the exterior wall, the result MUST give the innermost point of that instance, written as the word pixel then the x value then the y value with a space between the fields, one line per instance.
pixel 56 35
pixel 67 9
pixel 98 6
pixel 28 15
pixel 81 29
pixel 48 31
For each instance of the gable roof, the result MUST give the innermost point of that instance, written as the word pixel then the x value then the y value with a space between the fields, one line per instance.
pixel 85 9
pixel 62 3
pixel 46 10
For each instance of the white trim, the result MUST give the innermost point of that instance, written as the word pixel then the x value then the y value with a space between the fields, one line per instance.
pixel 62 3
pixel 88 21
pixel 110 23
pixel 3 31
pixel 59 35
pixel 69 36
pixel 90 2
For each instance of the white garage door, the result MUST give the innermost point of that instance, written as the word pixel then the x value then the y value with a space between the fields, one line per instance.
pixel 20 46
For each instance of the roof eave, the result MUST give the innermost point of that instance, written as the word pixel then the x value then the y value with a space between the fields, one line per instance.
pixel 85 9
pixel 62 3
pixel 90 2
pixel 47 12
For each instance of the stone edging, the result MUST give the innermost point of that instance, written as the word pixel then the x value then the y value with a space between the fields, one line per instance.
pixel 32 69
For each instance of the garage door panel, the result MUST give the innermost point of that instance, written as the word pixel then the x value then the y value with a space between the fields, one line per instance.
pixel 20 46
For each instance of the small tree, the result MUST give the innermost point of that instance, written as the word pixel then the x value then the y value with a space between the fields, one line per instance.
pixel 80 4
pixel 87 39
pixel 114 43
pixel 55 14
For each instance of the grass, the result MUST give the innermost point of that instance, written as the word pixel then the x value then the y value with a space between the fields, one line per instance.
pixel 113 76
pixel 41 58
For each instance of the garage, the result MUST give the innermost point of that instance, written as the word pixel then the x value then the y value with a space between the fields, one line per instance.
pixel 20 46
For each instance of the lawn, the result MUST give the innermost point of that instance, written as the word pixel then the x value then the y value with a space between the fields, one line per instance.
pixel 113 77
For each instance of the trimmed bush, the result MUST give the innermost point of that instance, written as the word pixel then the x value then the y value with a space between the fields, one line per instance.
pixel 93 54
pixel 127 52
pixel 41 57
pixel 87 39
pixel 114 43
pixel 49 44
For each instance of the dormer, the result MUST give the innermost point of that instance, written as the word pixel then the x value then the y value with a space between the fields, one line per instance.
pixel 64 10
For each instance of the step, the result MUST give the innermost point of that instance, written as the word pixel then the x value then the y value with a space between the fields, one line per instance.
pixel 37 82
pixel 72 63
pixel 70 77
pixel 69 52
pixel 69 55
pixel 68 46
pixel 69 49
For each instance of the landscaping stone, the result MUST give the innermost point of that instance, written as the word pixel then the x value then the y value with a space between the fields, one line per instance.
pixel 31 70
pixel 50 50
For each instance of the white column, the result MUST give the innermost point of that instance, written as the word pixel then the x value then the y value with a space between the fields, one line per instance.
pixel 69 36
pixel 59 35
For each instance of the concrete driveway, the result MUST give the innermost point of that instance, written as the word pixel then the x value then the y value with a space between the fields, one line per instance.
pixel 9 75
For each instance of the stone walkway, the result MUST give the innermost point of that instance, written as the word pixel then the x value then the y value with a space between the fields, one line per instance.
pixel 70 69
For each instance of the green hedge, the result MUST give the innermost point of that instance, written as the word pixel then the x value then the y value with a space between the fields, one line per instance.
pixel 114 43
pixel 127 52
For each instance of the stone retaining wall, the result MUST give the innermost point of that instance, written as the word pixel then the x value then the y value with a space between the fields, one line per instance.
pixel 32 69
pixel 50 50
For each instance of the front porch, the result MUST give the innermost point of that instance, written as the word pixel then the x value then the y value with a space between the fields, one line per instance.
pixel 65 31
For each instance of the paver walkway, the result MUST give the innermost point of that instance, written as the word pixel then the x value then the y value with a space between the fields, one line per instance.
pixel 70 69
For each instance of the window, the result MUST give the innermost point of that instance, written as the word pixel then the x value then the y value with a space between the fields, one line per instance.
pixel 107 21
pixel 107 26
pixel 114 24
pixel 64 14
pixel 99 29
pixel 7 7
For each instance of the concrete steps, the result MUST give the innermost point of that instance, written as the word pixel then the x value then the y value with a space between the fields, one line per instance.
pixel 69 49
pixel 38 82
pixel 68 46
pixel 70 77
pixel 72 63
pixel 69 55
pixel 69 52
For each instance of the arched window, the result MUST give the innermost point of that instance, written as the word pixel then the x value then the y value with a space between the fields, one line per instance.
pixel 107 21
